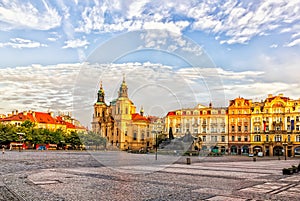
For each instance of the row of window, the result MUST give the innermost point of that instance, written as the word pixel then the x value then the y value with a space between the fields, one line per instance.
pixel 266 128
pixel 239 138
pixel 257 138
pixel 257 111
pixel 277 138
pixel 204 112
pixel 204 130
pixel 213 138
pixel 258 119
pixel 135 135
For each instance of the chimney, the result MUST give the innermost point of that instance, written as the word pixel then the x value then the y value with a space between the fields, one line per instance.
pixel 51 114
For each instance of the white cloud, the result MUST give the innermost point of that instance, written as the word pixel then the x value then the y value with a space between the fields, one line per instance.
pixel 16 14
pixel 295 35
pixel 274 46
pixel 259 91
pixel 22 43
pixel 76 43
pixel 293 43
pixel 232 22
pixel 38 87
pixel 52 39
pixel 240 22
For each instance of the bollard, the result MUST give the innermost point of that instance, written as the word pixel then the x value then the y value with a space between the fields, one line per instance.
pixel 188 161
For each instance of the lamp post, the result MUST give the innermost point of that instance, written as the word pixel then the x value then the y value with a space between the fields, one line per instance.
pixel 156 144
pixel 21 139
pixel 284 145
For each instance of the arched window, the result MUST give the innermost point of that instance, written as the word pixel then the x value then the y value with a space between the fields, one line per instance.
pixel 257 138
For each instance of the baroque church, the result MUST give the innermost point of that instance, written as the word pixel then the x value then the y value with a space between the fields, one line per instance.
pixel 120 124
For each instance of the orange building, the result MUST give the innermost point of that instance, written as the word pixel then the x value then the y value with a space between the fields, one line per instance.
pixel 239 117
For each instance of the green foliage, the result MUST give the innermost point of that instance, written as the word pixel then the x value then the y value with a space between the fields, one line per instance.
pixel 8 133
pixel 92 139
pixel 73 139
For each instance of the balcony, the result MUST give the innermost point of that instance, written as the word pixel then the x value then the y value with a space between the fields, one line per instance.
pixel 278 131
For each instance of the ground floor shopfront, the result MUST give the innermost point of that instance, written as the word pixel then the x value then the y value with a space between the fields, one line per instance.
pixel 267 149
pixel 239 149
pixel 215 148
pixel 288 149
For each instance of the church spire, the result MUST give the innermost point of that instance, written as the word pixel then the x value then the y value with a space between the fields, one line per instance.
pixel 101 94
pixel 142 111
pixel 123 92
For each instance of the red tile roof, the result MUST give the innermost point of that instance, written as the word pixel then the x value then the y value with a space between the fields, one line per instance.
pixel 18 117
pixel 172 113
pixel 138 117
pixel 40 117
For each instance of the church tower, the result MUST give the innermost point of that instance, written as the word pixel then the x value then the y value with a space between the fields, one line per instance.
pixel 102 120
pixel 101 94
pixel 123 91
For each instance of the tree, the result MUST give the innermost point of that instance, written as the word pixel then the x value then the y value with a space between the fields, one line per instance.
pixel 92 139
pixel 73 139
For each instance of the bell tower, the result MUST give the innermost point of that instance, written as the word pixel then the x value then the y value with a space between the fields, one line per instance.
pixel 101 94
pixel 123 92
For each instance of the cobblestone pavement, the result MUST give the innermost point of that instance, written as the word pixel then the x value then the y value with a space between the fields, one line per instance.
pixel 121 176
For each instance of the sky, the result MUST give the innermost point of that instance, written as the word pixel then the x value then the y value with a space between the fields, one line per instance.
pixel 173 54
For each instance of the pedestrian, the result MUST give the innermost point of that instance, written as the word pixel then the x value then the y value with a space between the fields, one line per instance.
pixel 3 150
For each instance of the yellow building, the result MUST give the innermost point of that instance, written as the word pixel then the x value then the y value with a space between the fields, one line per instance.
pixel 119 123
pixel 275 126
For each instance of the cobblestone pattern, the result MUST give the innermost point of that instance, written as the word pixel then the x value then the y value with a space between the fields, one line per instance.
pixel 6 194
pixel 78 176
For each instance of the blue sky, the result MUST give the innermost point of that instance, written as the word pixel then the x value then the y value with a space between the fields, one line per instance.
pixel 254 47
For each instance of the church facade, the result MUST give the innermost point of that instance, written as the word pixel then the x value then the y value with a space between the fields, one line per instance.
pixel 120 124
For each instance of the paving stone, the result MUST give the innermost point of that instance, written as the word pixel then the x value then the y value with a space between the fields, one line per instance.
pixel 76 176
pixel 222 198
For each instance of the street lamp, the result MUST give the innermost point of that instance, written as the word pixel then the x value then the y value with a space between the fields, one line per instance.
pixel 20 139
pixel 284 145
pixel 156 144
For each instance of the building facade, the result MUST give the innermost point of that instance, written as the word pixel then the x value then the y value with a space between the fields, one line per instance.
pixel 207 125
pixel 275 126
pixel 270 127
pixel 239 130
pixel 120 124
pixel 45 120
